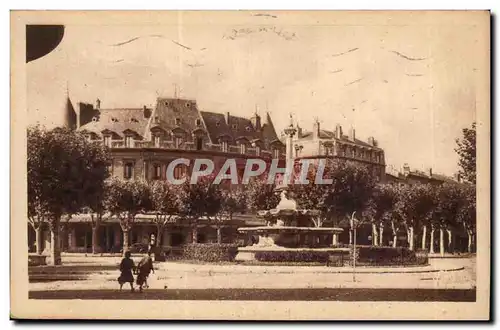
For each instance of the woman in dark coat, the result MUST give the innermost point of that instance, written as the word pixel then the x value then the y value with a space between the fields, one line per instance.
pixel 144 268
pixel 127 266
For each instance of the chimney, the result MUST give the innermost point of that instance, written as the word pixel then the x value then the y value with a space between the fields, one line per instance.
pixel 255 120
pixel 338 131
pixel 352 134
pixel 98 104
pixel 406 169
pixel 299 131
pixel 147 112
pixel 78 117
pixel 316 129
pixel 371 141
pixel 429 172
pixel 226 117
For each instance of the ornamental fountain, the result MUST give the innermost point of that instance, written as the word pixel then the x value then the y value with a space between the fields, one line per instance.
pixel 288 228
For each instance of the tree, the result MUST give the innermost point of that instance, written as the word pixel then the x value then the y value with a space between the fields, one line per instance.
pixel 232 199
pixel 380 210
pixel 312 196
pixel 261 195
pixel 466 150
pixel 95 206
pixel 450 199
pixel 65 171
pixel 198 200
pixel 165 204
pixel 125 200
pixel 467 213
pixel 414 207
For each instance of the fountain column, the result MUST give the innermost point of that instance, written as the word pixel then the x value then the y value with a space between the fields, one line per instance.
pixel 335 239
pixel 289 132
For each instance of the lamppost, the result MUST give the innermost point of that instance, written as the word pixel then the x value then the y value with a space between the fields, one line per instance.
pixel 353 229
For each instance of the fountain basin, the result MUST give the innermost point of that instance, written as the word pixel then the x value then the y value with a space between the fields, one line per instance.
pixel 293 237
pixel 290 229
pixel 248 253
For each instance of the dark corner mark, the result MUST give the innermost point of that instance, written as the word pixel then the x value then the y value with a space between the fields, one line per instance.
pixel 42 39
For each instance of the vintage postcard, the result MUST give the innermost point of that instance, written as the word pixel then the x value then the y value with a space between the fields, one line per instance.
pixel 250 165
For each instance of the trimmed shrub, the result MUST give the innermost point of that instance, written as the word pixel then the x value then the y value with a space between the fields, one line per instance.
pixel 388 256
pixel 292 256
pixel 210 252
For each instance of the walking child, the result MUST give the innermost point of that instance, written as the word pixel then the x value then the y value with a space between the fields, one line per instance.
pixel 127 266
pixel 144 268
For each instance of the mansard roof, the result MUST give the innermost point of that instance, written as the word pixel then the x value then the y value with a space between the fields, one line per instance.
pixel 173 114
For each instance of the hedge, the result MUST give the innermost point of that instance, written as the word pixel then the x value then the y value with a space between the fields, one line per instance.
pixel 292 256
pixel 210 252
pixel 388 256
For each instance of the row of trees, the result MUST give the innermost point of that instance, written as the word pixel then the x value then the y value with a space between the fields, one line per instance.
pixel 417 210
pixel 68 174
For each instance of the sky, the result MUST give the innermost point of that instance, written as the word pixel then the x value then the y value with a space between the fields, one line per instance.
pixel 411 86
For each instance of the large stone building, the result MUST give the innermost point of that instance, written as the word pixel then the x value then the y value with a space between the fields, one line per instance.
pixel 408 176
pixel 321 143
pixel 143 141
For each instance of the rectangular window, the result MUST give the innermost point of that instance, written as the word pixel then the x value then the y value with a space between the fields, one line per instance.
pixel 257 151
pixel 157 141
pixel 129 142
pixel 243 148
pixel 178 142
pixel 157 171
pixel 128 169
pixel 276 153
pixel 199 143
pixel 179 172
pixel 107 141
pixel 224 146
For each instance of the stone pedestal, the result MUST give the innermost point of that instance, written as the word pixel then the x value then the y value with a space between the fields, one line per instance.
pixel 335 240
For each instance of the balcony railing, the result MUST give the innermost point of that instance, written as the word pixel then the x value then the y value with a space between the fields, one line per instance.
pixel 188 145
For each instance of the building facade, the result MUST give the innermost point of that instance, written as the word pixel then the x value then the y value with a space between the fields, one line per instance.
pixel 143 142
pixel 408 176
pixel 321 143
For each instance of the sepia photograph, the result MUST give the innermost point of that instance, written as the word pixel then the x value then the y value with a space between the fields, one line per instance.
pixel 250 165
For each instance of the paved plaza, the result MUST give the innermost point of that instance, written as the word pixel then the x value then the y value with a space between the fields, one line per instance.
pixel 83 277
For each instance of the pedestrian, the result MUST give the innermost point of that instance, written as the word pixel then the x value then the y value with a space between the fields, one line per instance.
pixel 127 266
pixel 144 268
pixel 152 243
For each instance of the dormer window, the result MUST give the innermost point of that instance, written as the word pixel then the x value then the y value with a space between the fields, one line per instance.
pixel 166 103
pixel 276 153
pixel 157 140
pixel 177 121
pixel 129 141
pixel 107 140
pixel 248 129
pixel 188 104
pixel 235 126
pixel 217 123
pixel 198 122
pixel 177 142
